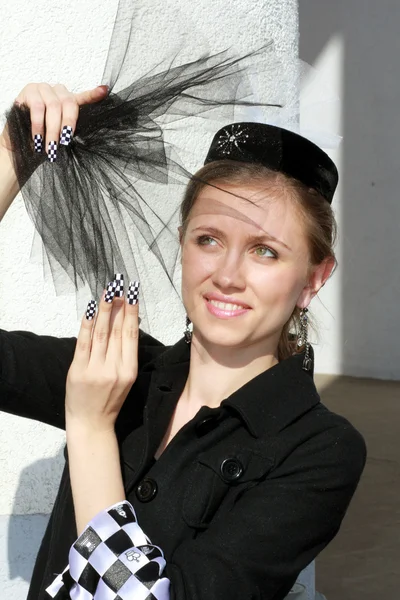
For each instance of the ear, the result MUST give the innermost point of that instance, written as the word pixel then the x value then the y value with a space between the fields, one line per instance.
pixel 318 277
pixel 180 233
pixel 181 236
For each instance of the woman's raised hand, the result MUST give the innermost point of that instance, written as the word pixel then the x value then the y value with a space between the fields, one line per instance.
pixel 54 113
pixel 105 362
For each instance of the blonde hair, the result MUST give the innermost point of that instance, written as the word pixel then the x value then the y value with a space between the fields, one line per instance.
pixel 315 212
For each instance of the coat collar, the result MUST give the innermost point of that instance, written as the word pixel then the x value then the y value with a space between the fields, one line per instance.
pixel 266 404
pixel 275 398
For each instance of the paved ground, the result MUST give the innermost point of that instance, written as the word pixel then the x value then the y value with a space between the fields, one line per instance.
pixel 363 562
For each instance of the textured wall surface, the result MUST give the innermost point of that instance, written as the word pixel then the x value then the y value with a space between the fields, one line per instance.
pixel 67 42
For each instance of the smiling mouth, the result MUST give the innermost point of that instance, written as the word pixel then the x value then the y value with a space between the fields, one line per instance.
pixel 226 305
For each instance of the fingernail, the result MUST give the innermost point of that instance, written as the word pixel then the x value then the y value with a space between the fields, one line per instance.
pixel 66 135
pixel 132 296
pixel 119 290
pixel 38 142
pixel 52 152
pixel 110 291
pixel 91 310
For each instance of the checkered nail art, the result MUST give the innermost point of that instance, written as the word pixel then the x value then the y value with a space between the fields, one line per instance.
pixel 52 152
pixel 38 142
pixel 110 291
pixel 66 135
pixel 91 310
pixel 119 290
pixel 132 296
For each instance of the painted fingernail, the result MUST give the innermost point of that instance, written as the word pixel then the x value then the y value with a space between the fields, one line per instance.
pixel 132 296
pixel 66 135
pixel 91 310
pixel 119 290
pixel 52 152
pixel 110 291
pixel 38 142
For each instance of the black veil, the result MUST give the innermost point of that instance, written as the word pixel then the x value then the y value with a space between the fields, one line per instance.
pixel 95 209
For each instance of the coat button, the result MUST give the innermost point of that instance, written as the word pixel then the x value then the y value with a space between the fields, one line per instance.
pixel 146 490
pixel 231 469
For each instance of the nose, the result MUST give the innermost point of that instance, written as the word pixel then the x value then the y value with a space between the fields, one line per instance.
pixel 228 275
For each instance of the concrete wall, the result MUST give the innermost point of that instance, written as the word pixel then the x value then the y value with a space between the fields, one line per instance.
pixel 360 41
pixel 68 42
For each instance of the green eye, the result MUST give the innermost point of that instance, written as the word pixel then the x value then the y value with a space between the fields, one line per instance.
pixel 205 240
pixel 265 252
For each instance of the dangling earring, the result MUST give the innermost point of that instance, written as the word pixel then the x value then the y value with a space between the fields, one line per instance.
pixel 302 339
pixel 188 331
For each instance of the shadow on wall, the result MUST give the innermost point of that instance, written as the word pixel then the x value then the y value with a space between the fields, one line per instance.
pixel 370 227
pixel 25 532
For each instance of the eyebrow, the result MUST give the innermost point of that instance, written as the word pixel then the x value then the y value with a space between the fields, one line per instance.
pixel 250 238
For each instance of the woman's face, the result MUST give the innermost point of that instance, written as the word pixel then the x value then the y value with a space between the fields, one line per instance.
pixel 245 265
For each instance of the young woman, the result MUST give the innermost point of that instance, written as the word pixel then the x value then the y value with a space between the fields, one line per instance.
pixel 209 469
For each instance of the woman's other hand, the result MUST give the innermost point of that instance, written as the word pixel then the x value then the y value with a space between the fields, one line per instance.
pixel 105 361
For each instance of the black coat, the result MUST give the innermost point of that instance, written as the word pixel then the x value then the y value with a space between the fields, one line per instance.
pixel 243 498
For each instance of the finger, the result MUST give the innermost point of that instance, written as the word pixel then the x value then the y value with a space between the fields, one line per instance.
pixel 70 113
pixel 52 118
pixel 115 338
pixel 130 329
pixel 114 350
pixel 91 96
pixel 31 97
pixel 101 330
pixel 84 339
pixel 117 319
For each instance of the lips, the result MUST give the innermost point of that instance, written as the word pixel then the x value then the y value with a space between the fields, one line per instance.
pixel 225 308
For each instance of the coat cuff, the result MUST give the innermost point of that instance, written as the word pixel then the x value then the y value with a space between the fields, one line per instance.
pixel 111 559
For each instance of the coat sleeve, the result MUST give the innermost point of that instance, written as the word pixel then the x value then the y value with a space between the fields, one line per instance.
pixel 276 528
pixel 33 373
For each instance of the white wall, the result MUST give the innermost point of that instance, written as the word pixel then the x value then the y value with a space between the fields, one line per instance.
pixel 322 115
pixel 67 42
pixel 362 40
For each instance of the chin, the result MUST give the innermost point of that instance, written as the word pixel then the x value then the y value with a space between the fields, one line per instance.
pixel 223 335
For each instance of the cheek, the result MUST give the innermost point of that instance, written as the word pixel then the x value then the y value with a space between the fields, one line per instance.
pixel 196 267
pixel 278 283
pixel 278 291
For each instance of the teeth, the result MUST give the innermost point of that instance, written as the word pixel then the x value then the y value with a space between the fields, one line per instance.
pixel 225 306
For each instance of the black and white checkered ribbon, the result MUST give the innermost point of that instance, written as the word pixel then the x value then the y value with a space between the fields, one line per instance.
pixel 113 560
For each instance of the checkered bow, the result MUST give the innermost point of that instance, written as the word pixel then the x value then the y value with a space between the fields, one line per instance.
pixel 113 560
